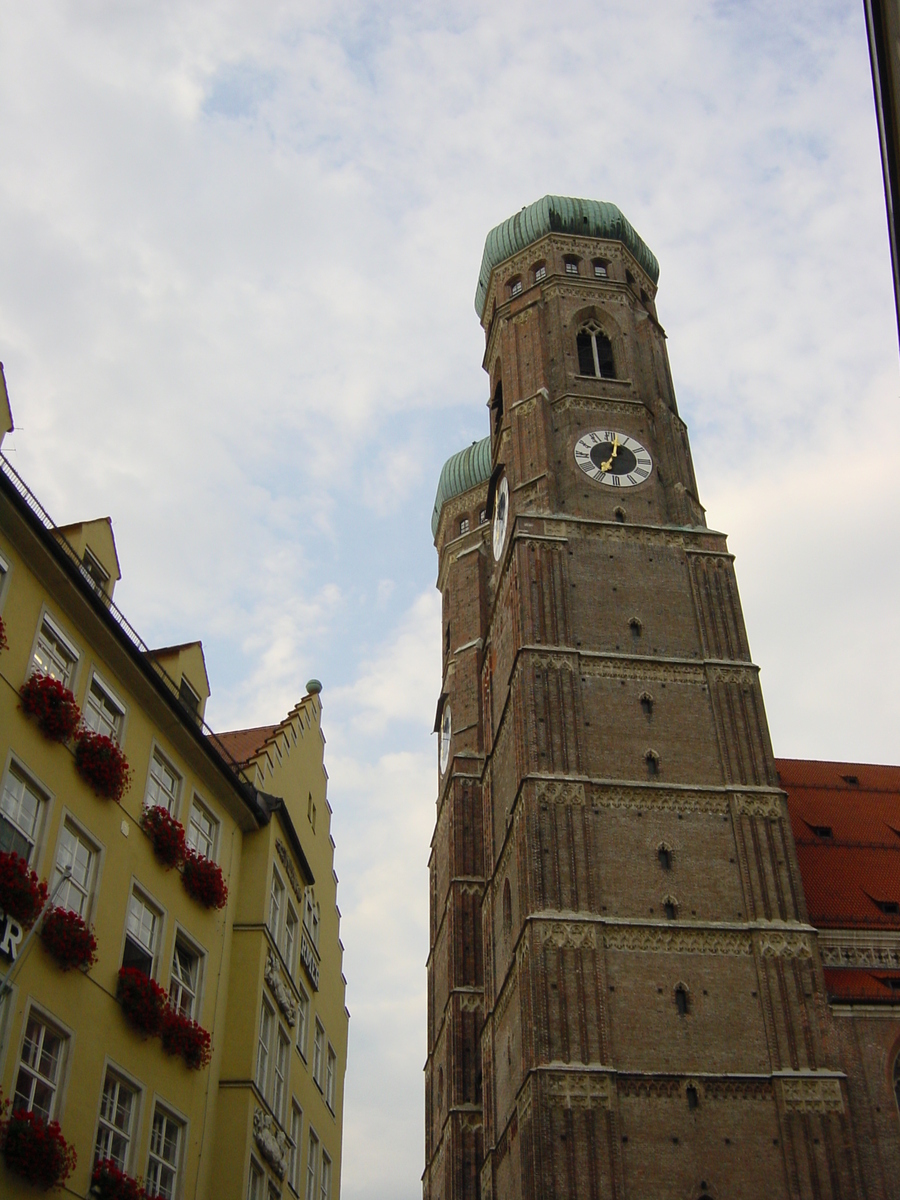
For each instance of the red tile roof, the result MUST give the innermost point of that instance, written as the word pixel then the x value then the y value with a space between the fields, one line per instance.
pixel 242 744
pixel 872 987
pixel 846 822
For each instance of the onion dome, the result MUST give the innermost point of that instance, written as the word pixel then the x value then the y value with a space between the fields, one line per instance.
pixel 465 469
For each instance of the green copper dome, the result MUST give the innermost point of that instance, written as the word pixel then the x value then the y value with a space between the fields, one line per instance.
pixel 464 470
pixel 559 214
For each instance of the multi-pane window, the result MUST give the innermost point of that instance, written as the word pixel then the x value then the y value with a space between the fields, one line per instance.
pixel 302 1021
pixel 319 1053
pixel 141 934
pixel 183 983
pixel 464 525
pixel 325 1178
pixel 600 271
pixel 39 1068
pixel 189 697
pixel 539 273
pixel 282 1059
pixel 114 1129
pixel 53 655
pixel 266 1022
pixel 97 575
pixel 78 855
pixel 276 904
pixel 595 356
pixel 163 784
pixel 312 1166
pixel 291 927
pixel 257 1182
pixel 296 1129
pixel 571 266
pixel 311 917
pixel 103 713
pixel 163 1160
pixel 20 807
pixel 201 830
pixel 515 287
pixel 330 1073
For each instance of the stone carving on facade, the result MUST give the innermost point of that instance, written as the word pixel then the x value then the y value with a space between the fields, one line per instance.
pixel 553 662
pixel 578 1089
pixel 726 673
pixel 568 935
pixel 272 1142
pixel 782 943
pixel 622 407
pixel 660 940
pixel 738 1089
pixel 559 791
pixel 625 667
pixel 661 798
pixel 649 1089
pixel 470 1119
pixel 280 990
pixel 471 1001
pixel 812 1095
pixel 754 804
pixel 289 869
pixel 885 957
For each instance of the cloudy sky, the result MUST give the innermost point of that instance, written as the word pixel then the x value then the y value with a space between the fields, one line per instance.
pixel 239 246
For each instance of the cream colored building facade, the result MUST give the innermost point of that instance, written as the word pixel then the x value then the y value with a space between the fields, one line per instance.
pixel 262 974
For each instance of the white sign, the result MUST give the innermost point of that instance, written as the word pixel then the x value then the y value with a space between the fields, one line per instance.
pixel 11 934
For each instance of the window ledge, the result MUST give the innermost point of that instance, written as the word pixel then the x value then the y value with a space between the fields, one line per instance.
pixel 603 379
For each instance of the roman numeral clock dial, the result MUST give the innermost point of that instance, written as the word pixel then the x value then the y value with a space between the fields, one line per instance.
pixel 613 459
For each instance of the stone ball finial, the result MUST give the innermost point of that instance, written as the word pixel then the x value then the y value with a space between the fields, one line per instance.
pixel 314 687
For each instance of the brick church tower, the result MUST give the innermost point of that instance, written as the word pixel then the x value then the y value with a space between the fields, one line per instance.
pixel 625 996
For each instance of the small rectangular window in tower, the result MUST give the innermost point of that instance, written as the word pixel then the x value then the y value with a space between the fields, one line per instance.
pixel 482 517
pixel 515 288
pixel 600 271
pixel 571 266
pixel 464 525
pixel 584 342
pixel 540 273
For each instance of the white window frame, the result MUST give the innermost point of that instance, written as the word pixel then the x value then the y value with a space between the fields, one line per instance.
pixel 115 730
pixel 132 1137
pixel 15 766
pixel 5 572
pixel 87 889
pixel 330 1074
pixel 187 944
pixel 296 1147
pixel 318 1070
pixel 147 900
pixel 277 899
pixel 168 1114
pixel 172 805
pixel 57 1083
pixel 281 1067
pixel 204 810
pixel 325 1176
pixel 303 1022
pixel 256 1180
pixel 291 942
pixel 264 1047
pixel 68 677
pixel 314 1148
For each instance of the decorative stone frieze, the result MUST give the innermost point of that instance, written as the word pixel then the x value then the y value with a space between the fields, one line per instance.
pixel 568 935
pixel 812 1095
pixel 577 1089
pixel 598 404
pixel 754 804
pixel 882 957
pixel 662 940
pixel 649 1089
pixel 738 1089
pixel 471 1001
pixel 470 1119
pixel 272 1142
pixel 280 990
pixel 657 798
pixel 782 943
pixel 559 791
pixel 289 869
pixel 622 667
pixel 726 673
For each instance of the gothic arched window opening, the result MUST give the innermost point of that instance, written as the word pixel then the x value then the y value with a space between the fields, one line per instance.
pixel 681 1000
pixel 595 354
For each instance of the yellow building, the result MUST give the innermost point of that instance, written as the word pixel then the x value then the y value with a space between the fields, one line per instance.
pixel 262 974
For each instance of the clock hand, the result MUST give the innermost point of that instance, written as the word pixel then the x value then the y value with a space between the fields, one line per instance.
pixel 615 448
pixel 606 466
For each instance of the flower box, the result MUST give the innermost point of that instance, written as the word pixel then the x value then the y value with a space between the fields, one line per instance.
pixel 143 1001
pixel 102 764
pixel 52 705
pixel 109 1183
pixel 22 894
pixel 166 834
pixel 36 1150
pixel 181 1035
pixel 68 939
pixel 203 880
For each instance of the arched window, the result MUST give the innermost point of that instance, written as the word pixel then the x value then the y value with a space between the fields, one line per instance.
pixel 665 857
pixel 540 272
pixel 507 908
pixel 670 908
pixel 497 405
pixel 515 286
pixel 681 1000
pixel 601 268
pixel 571 265
pixel 595 355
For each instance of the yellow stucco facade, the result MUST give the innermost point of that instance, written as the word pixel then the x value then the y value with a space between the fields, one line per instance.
pixel 262 974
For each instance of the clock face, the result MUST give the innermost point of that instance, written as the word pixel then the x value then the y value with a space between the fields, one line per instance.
pixel 614 459
pixel 501 517
pixel 446 732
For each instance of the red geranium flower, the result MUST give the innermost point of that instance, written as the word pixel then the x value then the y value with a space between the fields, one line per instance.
pixel 102 764
pixel 166 834
pixel 203 879
pixel 36 1150
pixel 3 642
pixel 143 1000
pixel 68 939
pixel 52 704
pixel 109 1183
pixel 181 1035
pixel 22 894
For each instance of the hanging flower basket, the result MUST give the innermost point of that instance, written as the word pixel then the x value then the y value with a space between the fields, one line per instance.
pixel 203 880
pixel 181 1035
pixel 52 705
pixel 102 764
pixel 68 939
pixel 143 1000
pixel 109 1183
pixel 166 834
pixel 22 894
pixel 36 1150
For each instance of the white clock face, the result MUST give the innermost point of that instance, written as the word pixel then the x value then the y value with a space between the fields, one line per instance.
pixel 501 517
pixel 446 732
pixel 613 459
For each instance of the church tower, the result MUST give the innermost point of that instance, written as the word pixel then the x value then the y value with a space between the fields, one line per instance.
pixel 625 996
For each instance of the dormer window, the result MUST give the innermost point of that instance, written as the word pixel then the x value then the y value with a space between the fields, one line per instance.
pixel 600 269
pixel 595 355
pixel 572 266
pixel 540 272
pixel 515 287
pixel 189 697
pixel 97 576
